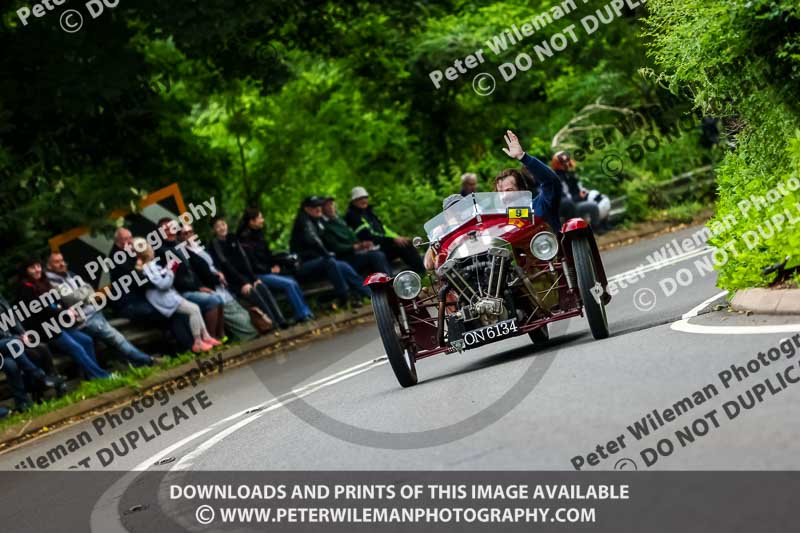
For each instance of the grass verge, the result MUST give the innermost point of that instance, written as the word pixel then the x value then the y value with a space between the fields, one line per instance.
pixel 132 378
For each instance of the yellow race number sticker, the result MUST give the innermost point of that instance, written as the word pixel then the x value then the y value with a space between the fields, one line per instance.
pixel 519 214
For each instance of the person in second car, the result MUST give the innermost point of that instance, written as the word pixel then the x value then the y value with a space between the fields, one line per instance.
pixel 575 201
pixel 340 239
pixel 469 183
pixel 368 227
pixel 317 261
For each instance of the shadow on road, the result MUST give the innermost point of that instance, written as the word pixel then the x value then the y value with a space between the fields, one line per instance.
pixel 507 356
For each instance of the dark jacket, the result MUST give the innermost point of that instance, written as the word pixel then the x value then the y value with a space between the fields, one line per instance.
pixel 548 201
pixel 28 292
pixel 306 240
pixel 258 253
pixel 186 278
pixel 366 225
pixel 572 184
pixel 10 327
pixel 338 237
pixel 231 259
pixel 203 270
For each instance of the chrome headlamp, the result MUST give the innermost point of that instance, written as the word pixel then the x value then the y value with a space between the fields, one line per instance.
pixel 544 246
pixel 407 285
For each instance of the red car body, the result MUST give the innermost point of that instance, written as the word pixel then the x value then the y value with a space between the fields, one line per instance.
pixel 538 291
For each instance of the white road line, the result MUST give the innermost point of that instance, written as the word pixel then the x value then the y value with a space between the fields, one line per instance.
pixel 187 461
pixel 685 326
pixel 298 390
pixel 695 310
pixel 644 269
pixel 105 516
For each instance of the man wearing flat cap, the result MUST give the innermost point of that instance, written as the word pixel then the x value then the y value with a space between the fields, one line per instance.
pixel 342 240
pixel 317 262
pixel 368 227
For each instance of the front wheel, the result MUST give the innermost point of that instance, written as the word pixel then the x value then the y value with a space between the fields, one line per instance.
pixel 401 359
pixel 587 280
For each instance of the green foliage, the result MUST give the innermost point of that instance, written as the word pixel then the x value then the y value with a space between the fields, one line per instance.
pixel 683 213
pixel 757 243
pixel 740 62
pixel 636 207
pixel 265 102
pixel 132 378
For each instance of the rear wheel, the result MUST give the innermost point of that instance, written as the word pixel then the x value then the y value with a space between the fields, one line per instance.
pixel 401 359
pixel 539 336
pixel 587 280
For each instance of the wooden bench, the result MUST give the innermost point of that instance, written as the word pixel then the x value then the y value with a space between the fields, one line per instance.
pixel 142 338
pixel 150 339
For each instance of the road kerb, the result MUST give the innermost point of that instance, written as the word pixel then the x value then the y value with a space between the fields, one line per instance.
pixel 767 301
pixel 117 397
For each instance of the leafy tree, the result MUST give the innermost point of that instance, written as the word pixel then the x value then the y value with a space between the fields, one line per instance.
pixel 740 62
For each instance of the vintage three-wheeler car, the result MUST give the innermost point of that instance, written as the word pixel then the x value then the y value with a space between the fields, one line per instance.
pixel 500 271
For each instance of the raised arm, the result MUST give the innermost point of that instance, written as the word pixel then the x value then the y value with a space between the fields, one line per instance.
pixel 546 203
pixel 543 174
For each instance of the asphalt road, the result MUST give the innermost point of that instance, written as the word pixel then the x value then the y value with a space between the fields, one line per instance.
pixel 334 404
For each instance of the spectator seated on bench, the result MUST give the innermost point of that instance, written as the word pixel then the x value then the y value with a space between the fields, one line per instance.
pixel 32 284
pixel 342 240
pixel 316 260
pixel 262 266
pixel 237 319
pixel 133 304
pixel 75 292
pixel 187 282
pixel 23 374
pixel 368 227
pixel 167 300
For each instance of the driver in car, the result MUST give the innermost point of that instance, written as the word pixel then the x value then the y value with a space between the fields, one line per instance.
pixel 545 204
pixel 548 200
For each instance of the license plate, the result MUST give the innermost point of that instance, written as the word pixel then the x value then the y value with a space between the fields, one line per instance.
pixel 491 333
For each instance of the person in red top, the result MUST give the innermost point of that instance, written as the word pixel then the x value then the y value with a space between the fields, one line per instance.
pixel 33 285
